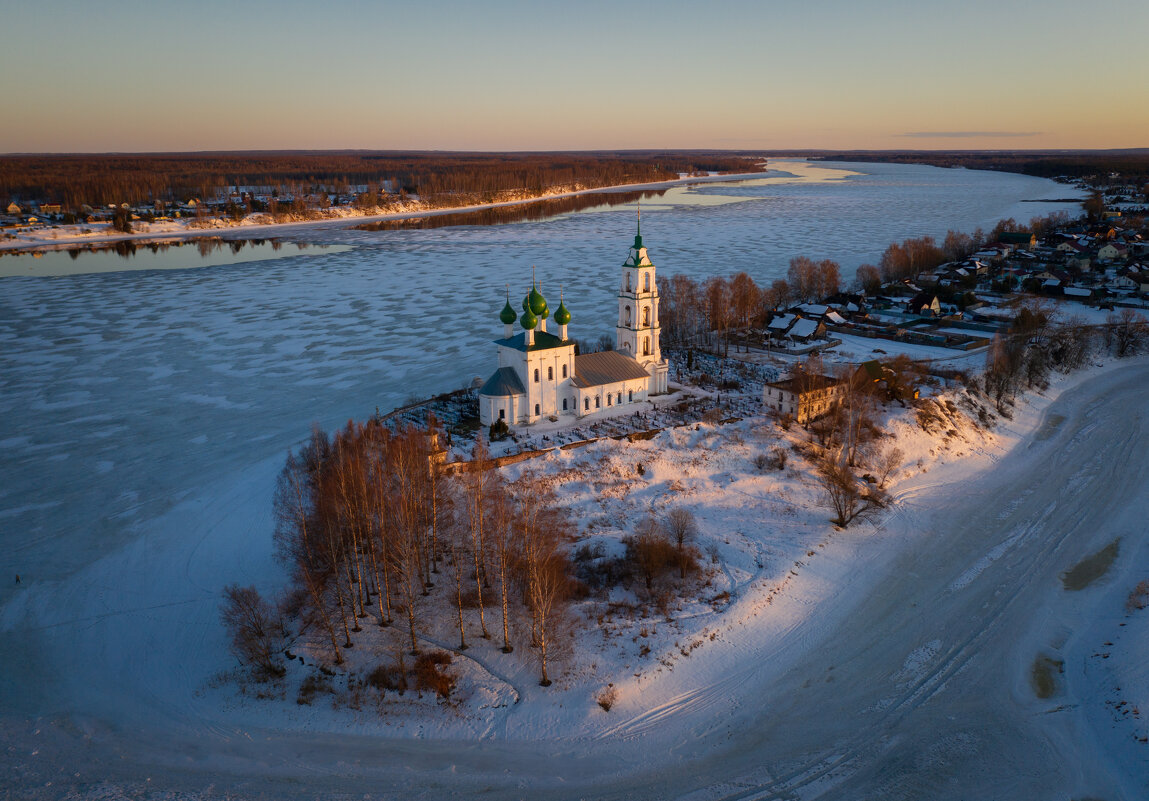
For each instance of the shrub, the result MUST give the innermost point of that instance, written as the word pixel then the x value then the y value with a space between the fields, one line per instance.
pixel 498 430
pixel 650 553
pixel 713 552
pixel 592 568
pixel 606 697
pixel 1138 598
pixel 315 683
pixel 778 458
pixel 431 673
pixel 256 630
pixel 388 677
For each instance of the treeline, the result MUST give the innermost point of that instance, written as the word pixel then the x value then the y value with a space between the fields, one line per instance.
pixel 75 180
pixel 1130 166
pixel 706 313
pixel 374 534
pixel 911 257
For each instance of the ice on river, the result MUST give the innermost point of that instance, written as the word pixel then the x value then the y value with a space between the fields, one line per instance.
pixel 120 392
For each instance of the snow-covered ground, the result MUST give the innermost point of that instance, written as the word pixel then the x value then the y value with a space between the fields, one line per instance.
pixel 892 661
pixel 143 418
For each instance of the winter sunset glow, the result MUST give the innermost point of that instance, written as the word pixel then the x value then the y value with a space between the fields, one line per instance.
pixel 130 77
pixel 656 400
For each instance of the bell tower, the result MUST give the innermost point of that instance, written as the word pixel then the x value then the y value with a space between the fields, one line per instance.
pixel 638 329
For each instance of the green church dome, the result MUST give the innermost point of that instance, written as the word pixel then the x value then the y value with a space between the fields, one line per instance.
pixel 537 302
pixel 507 315
pixel 528 320
pixel 562 316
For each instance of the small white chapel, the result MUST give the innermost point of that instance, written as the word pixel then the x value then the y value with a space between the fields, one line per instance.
pixel 540 376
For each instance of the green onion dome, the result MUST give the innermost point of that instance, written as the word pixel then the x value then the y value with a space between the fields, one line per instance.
pixel 507 315
pixel 528 320
pixel 562 316
pixel 537 302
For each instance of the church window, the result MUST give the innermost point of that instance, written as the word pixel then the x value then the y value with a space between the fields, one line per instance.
pixel 502 414
pixel 550 374
pixel 620 397
pixel 536 409
pixel 536 375
pixel 646 282
pixel 628 282
pixel 626 315
pixel 564 371
pixel 630 396
pixel 564 404
pixel 596 402
pixel 645 316
pixel 645 349
pixel 586 404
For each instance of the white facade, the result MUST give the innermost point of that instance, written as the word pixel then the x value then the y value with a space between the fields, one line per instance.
pixel 539 375
pixel 638 329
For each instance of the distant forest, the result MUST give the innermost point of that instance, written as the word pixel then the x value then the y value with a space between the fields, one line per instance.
pixel 73 180
pixel 1099 167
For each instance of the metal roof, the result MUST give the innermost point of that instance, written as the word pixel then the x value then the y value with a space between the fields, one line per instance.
pixel 543 340
pixel 606 367
pixel 503 383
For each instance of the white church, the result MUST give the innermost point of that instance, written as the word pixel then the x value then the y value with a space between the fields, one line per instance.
pixel 540 376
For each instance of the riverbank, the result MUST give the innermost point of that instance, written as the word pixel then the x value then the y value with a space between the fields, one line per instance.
pixel 256 225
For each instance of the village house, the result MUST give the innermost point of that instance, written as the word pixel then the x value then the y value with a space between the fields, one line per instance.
pixel 1019 239
pixel 791 327
pixel 925 304
pixel 1111 251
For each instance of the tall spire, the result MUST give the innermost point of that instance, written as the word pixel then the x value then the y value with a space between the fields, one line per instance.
pixel 638 233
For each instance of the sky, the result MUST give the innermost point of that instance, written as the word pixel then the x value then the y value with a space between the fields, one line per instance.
pixel 122 76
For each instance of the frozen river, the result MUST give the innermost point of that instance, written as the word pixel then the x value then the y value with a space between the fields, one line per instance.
pixel 119 391
pixel 150 406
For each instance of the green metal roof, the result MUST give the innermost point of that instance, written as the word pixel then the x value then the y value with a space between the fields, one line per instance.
pixel 562 316
pixel 543 341
pixel 537 302
pixel 507 315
